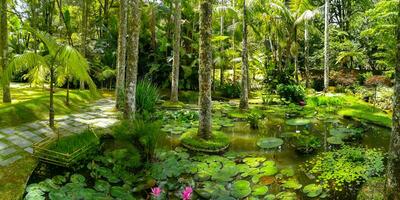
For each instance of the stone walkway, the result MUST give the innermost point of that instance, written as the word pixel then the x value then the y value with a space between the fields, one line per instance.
pixel 15 140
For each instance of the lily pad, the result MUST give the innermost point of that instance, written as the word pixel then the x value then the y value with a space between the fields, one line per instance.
pixel 289 134
pixel 254 162
pixel 292 184
pixel 312 190
pixel 267 180
pixel 259 190
pixel 241 189
pixel 298 122
pixel 335 140
pixel 288 172
pixel 269 143
pixel 286 196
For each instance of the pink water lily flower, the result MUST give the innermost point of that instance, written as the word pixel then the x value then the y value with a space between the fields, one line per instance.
pixel 156 191
pixel 187 193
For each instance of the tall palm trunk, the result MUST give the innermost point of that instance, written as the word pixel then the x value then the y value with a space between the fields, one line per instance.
pixel 326 47
pixel 205 69
pixel 153 21
pixel 4 48
pixel 221 75
pixel 306 54
pixel 393 170
pixel 121 61
pixel 51 107
pixel 133 57
pixel 244 99
pixel 177 46
pixel 233 45
pixel 85 15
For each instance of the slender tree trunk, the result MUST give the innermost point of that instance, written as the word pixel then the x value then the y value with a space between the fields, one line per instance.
pixel 205 69
pixel 244 99
pixel 393 169
pixel 67 98
pixel 4 48
pixel 85 15
pixel 306 55
pixel 51 109
pixel 326 48
pixel 176 52
pixel 121 61
pixel 221 75
pixel 153 27
pixel 233 46
pixel 133 58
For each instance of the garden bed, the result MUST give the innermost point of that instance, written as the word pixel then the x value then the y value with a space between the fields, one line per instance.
pixel 65 151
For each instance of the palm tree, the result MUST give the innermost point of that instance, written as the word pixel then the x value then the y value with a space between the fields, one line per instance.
pixel 177 46
pixel 4 49
pixel 133 58
pixel 306 17
pixel 63 59
pixel 326 47
pixel 121 61
pixel 244 98
pixel 205 68
pixel 393 170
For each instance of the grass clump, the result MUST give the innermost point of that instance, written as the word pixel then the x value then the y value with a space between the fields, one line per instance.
pixel 218 141
pixel 172 105
pixel 147 95
pixel 72 143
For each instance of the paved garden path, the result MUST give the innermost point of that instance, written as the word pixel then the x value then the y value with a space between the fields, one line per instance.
pixel 15 140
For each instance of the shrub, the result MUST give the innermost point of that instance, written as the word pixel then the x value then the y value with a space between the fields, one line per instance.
pixel 317 84
pixel 144 135
pixel 346 166
pixel 230 90
pixel 293 93
pixel 147 96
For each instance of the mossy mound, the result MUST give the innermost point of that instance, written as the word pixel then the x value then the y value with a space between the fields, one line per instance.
pixel 217 143
pixel 172 105
pixel 373 189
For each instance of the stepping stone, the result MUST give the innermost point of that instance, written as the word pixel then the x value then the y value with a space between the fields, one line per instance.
pixel 8 151
pixel 19 141
pixel 43 131
pixel 8 131
pixel 3 146
pixel 10 160
pixel 35 125
pixel 22 128
pixel 29 150
pixel 28 134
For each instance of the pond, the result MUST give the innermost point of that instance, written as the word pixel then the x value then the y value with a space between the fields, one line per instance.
pixel 245 169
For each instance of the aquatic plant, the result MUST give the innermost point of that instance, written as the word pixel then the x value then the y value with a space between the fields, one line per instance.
pixel 253 119
pixel 269 142
pixel 307 143
pixel 346 167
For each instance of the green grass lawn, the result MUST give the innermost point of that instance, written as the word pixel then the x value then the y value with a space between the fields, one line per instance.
pixel 31 104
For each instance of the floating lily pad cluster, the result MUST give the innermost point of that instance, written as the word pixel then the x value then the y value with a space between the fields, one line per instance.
pixel 178 122
pixel 341 134
pixel 269 142
pixel 112 174
pixel 218 177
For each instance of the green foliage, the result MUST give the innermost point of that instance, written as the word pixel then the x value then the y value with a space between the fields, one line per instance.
pixel 72 143
pixel 307 143
pixel 253 119
pixel 145 135
pixel 346 167
pixel 292 93
pixel 316 101
pixel 230 90
pixel 147 96
pixel 218 141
